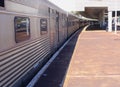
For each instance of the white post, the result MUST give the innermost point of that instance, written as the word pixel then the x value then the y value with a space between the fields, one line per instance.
pixel 27 26
pixel 110 21
pixel 115 22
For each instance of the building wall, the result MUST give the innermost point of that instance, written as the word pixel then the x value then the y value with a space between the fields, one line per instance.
pixel 111 4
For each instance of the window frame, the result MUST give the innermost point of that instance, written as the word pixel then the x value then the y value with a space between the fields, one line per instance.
pixel 2 4
pixel 16 28
pixel 42 32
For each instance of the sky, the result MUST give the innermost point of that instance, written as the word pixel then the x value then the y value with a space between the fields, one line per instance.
pixel 67 5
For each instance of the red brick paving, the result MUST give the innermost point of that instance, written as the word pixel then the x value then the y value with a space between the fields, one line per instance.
pixel 95 61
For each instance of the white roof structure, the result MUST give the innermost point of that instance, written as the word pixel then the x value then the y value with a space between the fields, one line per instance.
pixel 99 9
pixel 93 8
pixel 110 4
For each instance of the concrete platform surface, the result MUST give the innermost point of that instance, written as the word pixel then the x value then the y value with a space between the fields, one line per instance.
pixel 95 61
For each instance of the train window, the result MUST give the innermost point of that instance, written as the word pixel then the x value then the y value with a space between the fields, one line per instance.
pixel 49 10
pixel 2 3
pixel 64 21
pixel 52 11
pixel 22 29
pixel 43 25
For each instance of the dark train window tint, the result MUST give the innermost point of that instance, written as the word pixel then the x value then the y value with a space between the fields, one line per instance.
pixel 43 26
pixel 22 29
pixel 49 10
pixel 2 3
pixel 52 11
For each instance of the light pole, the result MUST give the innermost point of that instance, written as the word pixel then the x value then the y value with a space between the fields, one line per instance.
pixel 115 18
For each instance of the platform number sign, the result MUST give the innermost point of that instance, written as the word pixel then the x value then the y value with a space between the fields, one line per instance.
pixel 1 3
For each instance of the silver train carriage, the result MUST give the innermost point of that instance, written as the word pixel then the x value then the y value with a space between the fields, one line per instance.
pixel 30 31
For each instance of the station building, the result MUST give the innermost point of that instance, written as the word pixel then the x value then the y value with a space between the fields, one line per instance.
pixel 100 9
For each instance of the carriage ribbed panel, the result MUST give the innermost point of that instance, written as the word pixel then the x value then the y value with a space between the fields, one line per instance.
pixel 18 61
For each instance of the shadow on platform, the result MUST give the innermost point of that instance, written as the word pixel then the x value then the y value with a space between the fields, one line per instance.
pixel 94 27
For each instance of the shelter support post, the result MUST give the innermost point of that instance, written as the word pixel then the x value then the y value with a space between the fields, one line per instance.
pixel 109 21
pixel 115 22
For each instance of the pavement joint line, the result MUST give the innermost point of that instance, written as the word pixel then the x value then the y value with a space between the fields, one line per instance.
pixel 39 74
pixel 96 76
pixel 116 34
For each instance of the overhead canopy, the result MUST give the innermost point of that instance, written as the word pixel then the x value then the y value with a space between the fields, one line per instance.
pixel 96 8
pixel 93 12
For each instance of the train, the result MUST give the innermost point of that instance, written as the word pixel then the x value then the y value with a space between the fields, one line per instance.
pixel 30 32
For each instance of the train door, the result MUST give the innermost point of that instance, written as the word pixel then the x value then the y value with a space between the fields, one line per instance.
pixel 53 30
pixel 67 27
pixel 57 26
pixel 64 28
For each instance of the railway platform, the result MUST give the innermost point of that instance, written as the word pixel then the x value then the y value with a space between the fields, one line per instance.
pixel 95 61
pixel 90 59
